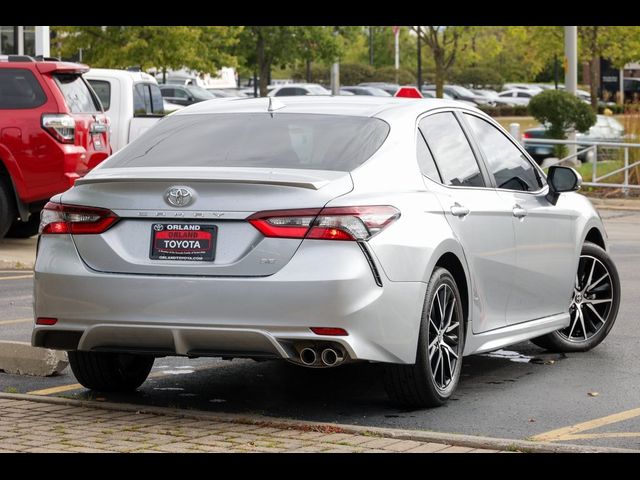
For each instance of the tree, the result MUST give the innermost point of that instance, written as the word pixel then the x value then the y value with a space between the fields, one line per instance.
pixel 265 46
pixel 619 44
pixel 162 47
pixel 562 112
pixel 445 44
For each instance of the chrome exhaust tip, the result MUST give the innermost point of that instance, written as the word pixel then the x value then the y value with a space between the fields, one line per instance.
pixel 308 356
pixel 330 357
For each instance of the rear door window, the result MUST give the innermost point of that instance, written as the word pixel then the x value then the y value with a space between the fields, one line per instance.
pixel 451 150
pixel 19 89
pixel 76 93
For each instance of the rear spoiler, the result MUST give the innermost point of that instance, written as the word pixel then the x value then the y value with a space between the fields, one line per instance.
pixel 61 67
pixel 310 179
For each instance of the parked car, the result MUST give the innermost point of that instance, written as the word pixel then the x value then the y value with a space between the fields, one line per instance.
pixel 390 88
pixel 297 89
pixel 185 94
pixel 486 94
pixel 432 94
pixel 515 97
pixel 458 93
pixel 368 231
pixel 131 100
pixel 606 129
pixel 370 91
pixel 522 86
pixel 52 131
pixel 227 92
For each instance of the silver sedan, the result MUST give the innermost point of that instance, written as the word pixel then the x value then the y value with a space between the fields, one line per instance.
pixel 321 231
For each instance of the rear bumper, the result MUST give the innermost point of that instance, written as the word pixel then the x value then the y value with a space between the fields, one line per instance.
pixel 326 284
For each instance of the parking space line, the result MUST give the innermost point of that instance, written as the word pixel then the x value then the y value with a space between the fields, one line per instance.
pixel 574 432
pixel 16 277
pixel 77 386
pixel 17 320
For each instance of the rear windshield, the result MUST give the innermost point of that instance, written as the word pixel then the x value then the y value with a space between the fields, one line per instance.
pixel 19 89
pixel 315 142
pixel 76 93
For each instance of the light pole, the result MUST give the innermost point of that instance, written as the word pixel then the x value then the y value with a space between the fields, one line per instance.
pixel 571 70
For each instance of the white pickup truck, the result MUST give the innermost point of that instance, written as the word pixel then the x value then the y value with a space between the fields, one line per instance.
pixel 131 100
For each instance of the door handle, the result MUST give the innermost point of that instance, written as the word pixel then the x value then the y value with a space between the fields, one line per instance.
pixel 459 211
pixel 518 211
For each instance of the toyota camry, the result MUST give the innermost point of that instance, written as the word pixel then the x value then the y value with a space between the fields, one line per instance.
pixel 321 231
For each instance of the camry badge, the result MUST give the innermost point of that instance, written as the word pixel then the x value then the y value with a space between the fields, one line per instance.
pixel 179 196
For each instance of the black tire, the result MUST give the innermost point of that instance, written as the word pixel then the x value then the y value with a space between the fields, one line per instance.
pixel 25 229
pixel 416 386
pixel 564 340
pixel 7 206
pixel 110 372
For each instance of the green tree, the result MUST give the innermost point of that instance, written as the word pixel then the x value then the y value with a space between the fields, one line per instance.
pixel 445 44
pixel 262 47
pixel 561 111
pixel 162 47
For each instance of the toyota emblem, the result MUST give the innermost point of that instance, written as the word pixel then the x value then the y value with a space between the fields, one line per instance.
pixel 179 196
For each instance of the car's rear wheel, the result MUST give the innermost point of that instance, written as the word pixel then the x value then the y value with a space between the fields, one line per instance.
pixel 7 206
pixel 110 372
pixel 594 304
pixel 433 378
pixel 26 229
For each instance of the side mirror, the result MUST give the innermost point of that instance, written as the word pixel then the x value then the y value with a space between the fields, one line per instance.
pixel 562 179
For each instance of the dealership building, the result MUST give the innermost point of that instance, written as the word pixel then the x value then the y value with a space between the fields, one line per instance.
pixel 25 41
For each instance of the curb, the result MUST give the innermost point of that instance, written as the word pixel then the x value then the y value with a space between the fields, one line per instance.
pixel 14 265
pixel 615 203
pixel 453 439
pixel 20 358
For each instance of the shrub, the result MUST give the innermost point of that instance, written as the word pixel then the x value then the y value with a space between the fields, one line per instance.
pixel 505 110
pixel 561 111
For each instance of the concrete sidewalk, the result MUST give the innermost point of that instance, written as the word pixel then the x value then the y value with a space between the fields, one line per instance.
pixel 49 424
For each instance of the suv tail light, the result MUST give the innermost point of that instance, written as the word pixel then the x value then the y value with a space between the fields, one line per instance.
pixel 333 223
pixel 56 219
pixel 60 126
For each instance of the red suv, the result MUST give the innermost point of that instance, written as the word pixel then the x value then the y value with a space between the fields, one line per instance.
pixel 52 130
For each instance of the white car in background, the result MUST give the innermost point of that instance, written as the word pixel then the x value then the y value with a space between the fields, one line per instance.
pixel 131 100
pixel 515 97
pixel 297 89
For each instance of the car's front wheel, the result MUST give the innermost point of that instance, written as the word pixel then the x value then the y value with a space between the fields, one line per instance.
pixel 433 378
pixel 110 372
pixel 594 304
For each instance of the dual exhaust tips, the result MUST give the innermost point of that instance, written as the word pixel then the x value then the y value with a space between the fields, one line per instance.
pixel 328 357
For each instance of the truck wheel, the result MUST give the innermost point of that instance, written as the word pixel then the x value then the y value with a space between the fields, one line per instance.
pixel 25 229
pixel 7 206
pixel 110 372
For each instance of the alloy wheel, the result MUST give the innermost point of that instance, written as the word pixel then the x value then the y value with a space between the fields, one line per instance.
pixel 443 337
pixel 592 300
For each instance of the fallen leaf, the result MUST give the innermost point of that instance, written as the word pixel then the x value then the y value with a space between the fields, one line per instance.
pixel 532 420
pixel 593 394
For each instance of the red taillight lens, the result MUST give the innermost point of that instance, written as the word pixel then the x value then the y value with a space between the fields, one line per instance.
pixel 46 321
pixel 526 135
pixel 331 331
pixel 60 126
pixel 333 223
pixel 77 220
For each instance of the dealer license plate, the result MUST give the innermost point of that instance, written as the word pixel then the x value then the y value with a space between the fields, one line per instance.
pixel 183 241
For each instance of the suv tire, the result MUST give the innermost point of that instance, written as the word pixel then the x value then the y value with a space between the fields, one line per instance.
pixel 7 206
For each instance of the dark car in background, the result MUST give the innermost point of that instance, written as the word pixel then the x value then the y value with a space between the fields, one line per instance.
pixel 364 90
pixel 390 88
pixel 606 129
pixel 185 94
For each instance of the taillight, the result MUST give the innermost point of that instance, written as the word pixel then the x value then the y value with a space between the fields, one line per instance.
pixel 60 126
pixel 333 223
pixel 56 219
pixel 526 135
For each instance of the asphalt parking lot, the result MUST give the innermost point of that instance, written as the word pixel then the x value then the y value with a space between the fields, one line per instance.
pixel 520 393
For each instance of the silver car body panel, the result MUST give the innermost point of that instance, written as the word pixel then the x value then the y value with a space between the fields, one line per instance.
pixel 108 290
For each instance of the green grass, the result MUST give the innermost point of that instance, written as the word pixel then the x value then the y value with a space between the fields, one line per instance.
pixel 603 167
